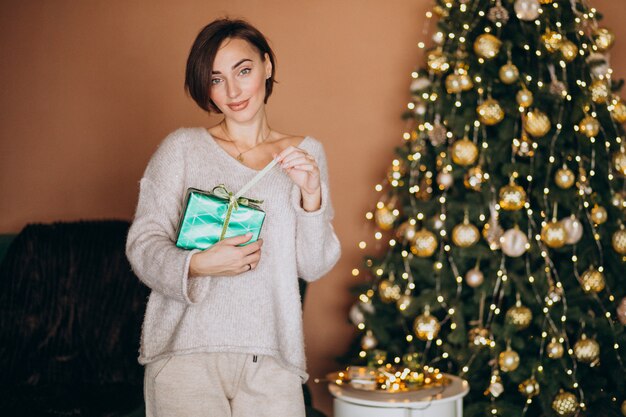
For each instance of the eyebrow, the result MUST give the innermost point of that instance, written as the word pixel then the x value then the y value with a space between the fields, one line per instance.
pixel 234 66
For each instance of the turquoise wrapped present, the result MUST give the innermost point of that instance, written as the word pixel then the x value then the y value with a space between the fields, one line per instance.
pixel 209 217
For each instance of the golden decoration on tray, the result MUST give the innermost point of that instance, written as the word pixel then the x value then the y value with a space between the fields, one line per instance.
pixel 592 280
pixel 389 379
pixel 537 123
pixel 464 152
pixel 490 112
pixel 425 243
pixel 487 45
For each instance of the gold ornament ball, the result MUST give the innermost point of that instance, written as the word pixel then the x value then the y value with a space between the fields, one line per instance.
pixel 508 360
pixel 385 217
pixel 512 197
pixel 565 404
pixel 619 161
pixel 490 112
pixel 589 126
pixel 553 234
pixel 474 178
pixel 564 178
pixel 619 199
pixel 604 39
pixel 618 241
pixel 509 73
pixel 524 147
pixel 537 123
pixel 466 82
pixel 425 243
pixel 552 40
pixel 623 408
pixel 369 341
pixel 465 234
pixel 599 214
pixel 527 9
pixel 404 302
pixel 592 280
pixel 524 97
pixel 437 61
pixel 529 388
pixel 599 91
pixel 453 84
pixel 569 50
pixel 426 326
pixel 555 349
pixel 487 45
pixel 618 112
pixel 406 231
pixel 474 277
pixel 389 291
pixel 621 311
pixel 513 242
pixel 479 336
pixel 519 316
pixel 587 350
pixel 464 152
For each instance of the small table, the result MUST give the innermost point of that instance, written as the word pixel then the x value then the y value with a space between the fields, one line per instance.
pixel 445 401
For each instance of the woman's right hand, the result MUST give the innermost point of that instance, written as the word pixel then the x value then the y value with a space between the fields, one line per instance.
pixel 226 258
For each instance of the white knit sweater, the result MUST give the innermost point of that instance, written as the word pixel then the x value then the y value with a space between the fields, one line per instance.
pixel 256 312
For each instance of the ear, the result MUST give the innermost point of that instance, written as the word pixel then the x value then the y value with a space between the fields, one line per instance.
pixel 268 64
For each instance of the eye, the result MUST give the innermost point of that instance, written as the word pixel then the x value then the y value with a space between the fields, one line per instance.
pixel 245 69
pixel 214 81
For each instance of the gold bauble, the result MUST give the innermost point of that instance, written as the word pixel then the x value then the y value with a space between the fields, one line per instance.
pixel 619 199
pixel 598 214
pixel 479 336
pixel 553 234
pixel 426 326
pixel 619 161
pixel 512 197
pixel 465 234
pixel 555 349
pixel 565 404
pixel 604 39
pixel 537 123
pixel 529 388
pixel 466 81
pixel 369 341
pixel 589 126
pixel 453 84
pixel 389 291
pixel 587 350
pixel 406 232
pixel 599 91
pixel 623 407
pixel 592 280
pixel 569 50
pixel 545 1
pixel 508 360
pixel 519 316
pixel 464 152
pixel 404 302
pixel 552 40
pixel 437 61
pixel 424 244
pixel 564 178
pixel 618 241
pixel 524 97
pixel 474 277
pixel 618 111
pixel 474 177
pixel 487 46
pixel 385 216
pixel 509 73
pixel 490 112
pixel 524 147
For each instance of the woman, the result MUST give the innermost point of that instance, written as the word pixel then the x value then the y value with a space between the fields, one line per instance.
pixel 222 334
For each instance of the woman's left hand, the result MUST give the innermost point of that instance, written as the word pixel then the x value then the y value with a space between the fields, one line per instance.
pixel 302 168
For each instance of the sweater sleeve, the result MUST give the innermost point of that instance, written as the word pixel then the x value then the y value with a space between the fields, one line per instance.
pixel 150 246
pixel 317 245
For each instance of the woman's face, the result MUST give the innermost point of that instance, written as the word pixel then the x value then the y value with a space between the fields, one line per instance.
pixel 238 79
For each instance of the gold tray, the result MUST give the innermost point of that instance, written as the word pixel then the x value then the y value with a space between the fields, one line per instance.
pixel 333 377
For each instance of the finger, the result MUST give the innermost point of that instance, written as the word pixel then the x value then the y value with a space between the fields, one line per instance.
pixel 288 150
pixel 252 259
pixel 306 167
pixel 295 154
pixel 252 247
pixel 236 240
pixel 296 161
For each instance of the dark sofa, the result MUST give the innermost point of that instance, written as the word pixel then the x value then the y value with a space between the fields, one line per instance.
pixel 70 319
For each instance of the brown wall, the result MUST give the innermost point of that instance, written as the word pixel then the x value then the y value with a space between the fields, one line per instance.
pixel 90 88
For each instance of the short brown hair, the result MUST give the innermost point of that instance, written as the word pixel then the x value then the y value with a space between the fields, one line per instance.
pixel 204 49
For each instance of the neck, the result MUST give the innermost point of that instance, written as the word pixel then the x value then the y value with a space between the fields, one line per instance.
pixel 249 133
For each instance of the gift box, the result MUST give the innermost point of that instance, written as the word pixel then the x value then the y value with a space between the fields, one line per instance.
pixel 209 217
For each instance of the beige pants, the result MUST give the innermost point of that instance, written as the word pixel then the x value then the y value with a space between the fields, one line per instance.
pixel 221 385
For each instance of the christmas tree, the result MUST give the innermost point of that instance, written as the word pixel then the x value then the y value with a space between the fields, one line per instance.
pixel 500 221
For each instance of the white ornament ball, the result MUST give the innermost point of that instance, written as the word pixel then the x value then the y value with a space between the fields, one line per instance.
pixel 369 341
pixel 513 243
pixel 420 83
pixel 445 179
pixel 573 229
pixel 527 9
pixel 474 277
pixel 356 315
pixel 439 37
pixel 367 307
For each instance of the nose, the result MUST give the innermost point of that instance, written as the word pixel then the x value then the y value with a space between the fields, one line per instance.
pixel 233 89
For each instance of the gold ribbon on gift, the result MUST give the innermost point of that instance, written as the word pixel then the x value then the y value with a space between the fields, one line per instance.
pixel 234 200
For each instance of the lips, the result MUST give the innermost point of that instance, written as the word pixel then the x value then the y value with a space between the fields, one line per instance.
pixel 238 106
